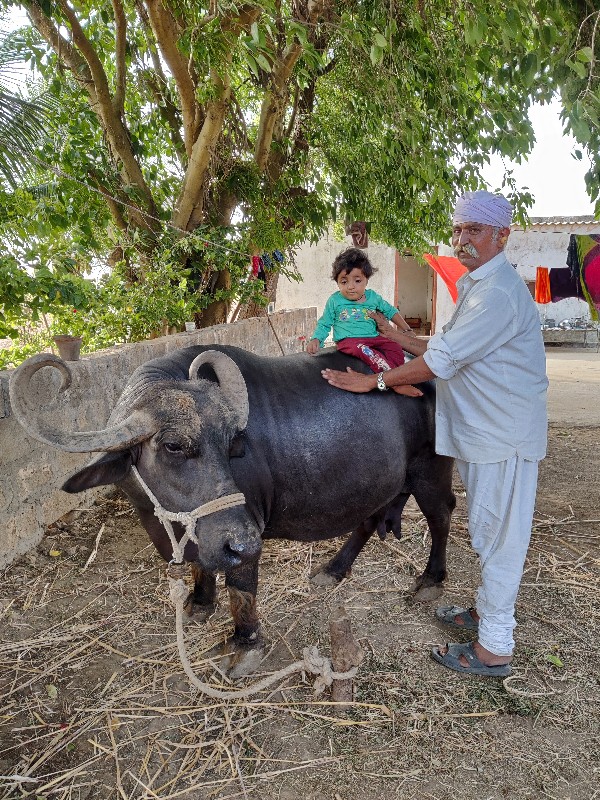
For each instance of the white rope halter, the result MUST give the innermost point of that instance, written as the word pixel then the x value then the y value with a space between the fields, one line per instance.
pixel 187 518
pixel 178 591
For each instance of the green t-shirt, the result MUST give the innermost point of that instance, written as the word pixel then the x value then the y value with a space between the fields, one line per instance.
pixel 349 318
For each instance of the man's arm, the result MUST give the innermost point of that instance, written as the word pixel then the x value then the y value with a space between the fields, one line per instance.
pixel 415 371
pixel 408 341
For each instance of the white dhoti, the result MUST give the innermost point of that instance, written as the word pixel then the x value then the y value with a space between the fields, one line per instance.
pixel 501 500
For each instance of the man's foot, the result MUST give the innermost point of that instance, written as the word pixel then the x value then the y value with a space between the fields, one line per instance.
pixel 466 619
pixel 472 659
pixel 409 391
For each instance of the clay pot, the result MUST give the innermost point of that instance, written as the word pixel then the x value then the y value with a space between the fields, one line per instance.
pixel 68 347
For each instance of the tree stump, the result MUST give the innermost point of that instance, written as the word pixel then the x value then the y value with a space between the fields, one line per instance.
pixel 345 654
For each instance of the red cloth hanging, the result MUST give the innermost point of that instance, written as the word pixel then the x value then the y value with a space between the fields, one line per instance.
pixel 256 265
pixel 542 285
pixel 448 268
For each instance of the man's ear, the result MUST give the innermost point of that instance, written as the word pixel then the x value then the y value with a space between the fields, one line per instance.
pixel 109 468
pixel 503 235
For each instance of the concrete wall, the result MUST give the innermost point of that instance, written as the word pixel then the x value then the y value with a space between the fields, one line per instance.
pixel 31 473
pixel 313 264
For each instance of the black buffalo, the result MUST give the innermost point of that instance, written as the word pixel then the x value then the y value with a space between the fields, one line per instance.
pixel 313 462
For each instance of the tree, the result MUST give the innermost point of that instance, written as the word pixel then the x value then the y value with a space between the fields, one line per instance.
pixel 22 121
pixel 253 126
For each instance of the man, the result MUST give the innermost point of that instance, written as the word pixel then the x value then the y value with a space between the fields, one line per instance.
pixel 490 367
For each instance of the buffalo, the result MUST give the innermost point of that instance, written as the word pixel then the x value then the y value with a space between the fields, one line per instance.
pixel 312 462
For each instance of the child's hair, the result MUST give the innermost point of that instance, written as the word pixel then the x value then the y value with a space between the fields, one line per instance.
pixel 350 259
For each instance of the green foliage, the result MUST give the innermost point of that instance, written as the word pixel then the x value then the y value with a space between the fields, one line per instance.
pixel 301 115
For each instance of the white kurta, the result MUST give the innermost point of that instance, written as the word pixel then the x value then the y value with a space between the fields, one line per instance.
pixel 491 403
pixel 491 416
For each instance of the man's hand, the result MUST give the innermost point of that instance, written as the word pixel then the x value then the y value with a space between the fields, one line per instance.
pixel 350 380
pixel 313 347
pixel 383 326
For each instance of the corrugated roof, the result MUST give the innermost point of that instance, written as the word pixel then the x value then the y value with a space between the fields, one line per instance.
pixel 554 221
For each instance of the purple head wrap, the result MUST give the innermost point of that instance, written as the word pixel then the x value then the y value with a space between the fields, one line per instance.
pixel 483 207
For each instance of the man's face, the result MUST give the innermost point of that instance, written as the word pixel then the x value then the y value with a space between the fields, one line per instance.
pixel 475 244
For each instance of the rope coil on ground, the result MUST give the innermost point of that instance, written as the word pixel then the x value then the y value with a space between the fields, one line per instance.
pixel 312 661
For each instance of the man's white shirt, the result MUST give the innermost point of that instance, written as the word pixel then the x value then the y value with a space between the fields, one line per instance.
pixel 491 401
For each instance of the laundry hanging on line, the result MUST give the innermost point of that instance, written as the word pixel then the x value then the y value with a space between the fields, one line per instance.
pixel 583 261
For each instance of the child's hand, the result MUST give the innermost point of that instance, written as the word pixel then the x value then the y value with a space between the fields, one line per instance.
pixel 313 347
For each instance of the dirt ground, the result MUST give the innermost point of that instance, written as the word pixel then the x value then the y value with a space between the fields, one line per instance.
pixel 95 703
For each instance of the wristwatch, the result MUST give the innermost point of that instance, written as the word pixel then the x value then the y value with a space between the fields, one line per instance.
pixel 381 383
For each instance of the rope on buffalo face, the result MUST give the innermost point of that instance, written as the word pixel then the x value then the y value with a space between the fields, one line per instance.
pixel 311 662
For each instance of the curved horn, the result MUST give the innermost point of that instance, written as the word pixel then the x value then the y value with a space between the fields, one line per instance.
pixel 137 427
pixel 230 379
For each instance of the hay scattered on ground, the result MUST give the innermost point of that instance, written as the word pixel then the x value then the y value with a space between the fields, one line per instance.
pixel 94 702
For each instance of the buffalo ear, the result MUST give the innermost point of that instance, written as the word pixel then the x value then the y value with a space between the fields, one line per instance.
pixel 237 449
pixel 109 468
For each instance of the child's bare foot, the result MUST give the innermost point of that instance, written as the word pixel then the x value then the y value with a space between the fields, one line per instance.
pixel 409 391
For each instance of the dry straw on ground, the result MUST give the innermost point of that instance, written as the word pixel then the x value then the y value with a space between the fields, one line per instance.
pixel 94 702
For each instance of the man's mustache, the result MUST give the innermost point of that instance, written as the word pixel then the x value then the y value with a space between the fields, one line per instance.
pixel 468 249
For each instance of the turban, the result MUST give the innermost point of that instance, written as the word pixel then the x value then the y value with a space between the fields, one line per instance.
pixel 483 207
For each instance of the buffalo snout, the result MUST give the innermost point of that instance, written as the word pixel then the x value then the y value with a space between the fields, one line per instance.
pixel 227 546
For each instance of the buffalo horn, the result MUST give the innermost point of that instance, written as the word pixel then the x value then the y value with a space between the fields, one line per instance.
pixel 137 427
pixel 230 379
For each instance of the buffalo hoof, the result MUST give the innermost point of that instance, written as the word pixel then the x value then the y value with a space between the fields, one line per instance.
pixel 322 577
pixel 197 612
pixel 424 592
pixel 241 661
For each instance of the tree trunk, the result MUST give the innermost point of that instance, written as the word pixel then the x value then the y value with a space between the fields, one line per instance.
pixel 254 309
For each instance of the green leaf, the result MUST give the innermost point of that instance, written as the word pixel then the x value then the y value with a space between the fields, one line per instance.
pixel 380 41
pixel 528 68
pixel 263 63
pixel 586 54
pixel 555 660
pixel 376 55
pixel 577 68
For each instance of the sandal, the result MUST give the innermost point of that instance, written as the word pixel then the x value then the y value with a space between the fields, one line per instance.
pixel 475 666
pixel 448 615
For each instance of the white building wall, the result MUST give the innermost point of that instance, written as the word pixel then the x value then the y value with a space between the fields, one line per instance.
pixel 542 245
pixel 313 263
pixel 414 292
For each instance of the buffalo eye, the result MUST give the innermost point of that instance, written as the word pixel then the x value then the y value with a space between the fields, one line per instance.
pixel 173 448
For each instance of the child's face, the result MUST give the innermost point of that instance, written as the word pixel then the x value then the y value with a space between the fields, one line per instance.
pixel 352 284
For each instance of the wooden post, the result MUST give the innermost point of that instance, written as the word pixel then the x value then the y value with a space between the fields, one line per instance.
pixel 345 654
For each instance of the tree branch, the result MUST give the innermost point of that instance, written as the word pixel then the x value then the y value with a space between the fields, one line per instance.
pixel 120 46
pixel 166 32
pixel 274 102
pixel 83 61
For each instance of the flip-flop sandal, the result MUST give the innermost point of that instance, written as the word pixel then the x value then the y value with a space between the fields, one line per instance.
pixel 448 614
pixel 451 660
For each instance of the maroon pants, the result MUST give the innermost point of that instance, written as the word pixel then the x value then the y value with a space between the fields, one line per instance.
pixel 379 352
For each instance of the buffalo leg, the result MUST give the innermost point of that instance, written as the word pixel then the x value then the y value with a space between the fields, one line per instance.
pixel 245 649
pixel 434 496
pixel 202 601
pixel 340 565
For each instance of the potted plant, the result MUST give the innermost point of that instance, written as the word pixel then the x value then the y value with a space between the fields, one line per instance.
pixel 67 333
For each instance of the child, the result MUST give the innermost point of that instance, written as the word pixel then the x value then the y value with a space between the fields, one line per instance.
pixel 348 312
